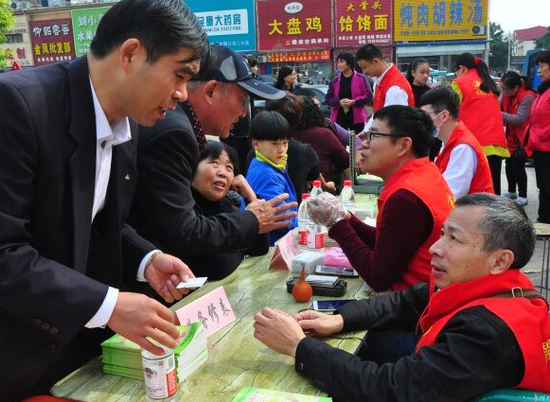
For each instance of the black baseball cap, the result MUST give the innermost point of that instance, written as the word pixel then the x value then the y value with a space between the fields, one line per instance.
pixel 226 65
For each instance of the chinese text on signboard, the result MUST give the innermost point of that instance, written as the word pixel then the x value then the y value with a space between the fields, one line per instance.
pixel 85 22
pixel 359 22
pixel 227 22
pixel 428 20
pixel 294 25
pixel 51 41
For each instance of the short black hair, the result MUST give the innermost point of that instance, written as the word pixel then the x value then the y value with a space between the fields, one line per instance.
pixel 409 122
pixel 214 149
pixel 347 57
pixel 270 126
pixel 543 57
pixel 162 26
pixel 442 98
pixel 369 53
pixel 290 107
pixel 252 61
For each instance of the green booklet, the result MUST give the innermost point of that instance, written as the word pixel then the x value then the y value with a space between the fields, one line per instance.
pixel 251 394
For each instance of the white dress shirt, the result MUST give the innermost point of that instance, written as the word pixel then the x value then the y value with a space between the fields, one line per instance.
pixel 108 136
pixel 460 170
pixel 394 95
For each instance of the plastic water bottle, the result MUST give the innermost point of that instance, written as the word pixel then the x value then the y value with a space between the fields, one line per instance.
pixel 316 190
pixel 347 197
pixel 303 222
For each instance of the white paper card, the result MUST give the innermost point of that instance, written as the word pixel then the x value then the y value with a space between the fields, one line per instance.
pixel 192 283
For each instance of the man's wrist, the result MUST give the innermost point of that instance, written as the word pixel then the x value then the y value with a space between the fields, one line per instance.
pixel 151 258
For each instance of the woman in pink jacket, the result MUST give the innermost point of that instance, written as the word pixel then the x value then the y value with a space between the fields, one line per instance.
pixel 538 134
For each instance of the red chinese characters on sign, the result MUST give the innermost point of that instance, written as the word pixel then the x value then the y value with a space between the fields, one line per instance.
pixel 52 41
pixel 313 55
pixel 294 25
pixel 358 22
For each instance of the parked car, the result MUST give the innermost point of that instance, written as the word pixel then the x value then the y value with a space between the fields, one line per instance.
pixel 320 93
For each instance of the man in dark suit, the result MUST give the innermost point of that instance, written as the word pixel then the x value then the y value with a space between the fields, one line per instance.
pixel 67 177
pixel 163 209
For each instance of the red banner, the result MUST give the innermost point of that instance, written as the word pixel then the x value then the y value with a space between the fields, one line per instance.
pixel 311 55
pixel 52 41
pixel 294 25
pixel 358 22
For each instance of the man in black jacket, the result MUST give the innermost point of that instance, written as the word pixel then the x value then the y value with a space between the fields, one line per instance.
pixel 485 328
pixel 67 177
pixel 163 209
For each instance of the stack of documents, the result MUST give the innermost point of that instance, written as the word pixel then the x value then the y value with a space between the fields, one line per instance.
pixel 251 394
pixel 123 357
pixel 324 281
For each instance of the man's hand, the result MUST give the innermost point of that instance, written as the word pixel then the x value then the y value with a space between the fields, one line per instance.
pixel 326 209
pixel 164 273
pixel 319 324
pixel 278 331
pixel 137 316
pixel 271 217
pixel 241 186
pixel 329 186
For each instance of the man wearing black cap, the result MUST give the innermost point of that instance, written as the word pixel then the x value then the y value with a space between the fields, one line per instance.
pixel 163 209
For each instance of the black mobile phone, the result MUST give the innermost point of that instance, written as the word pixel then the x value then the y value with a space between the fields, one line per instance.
pixel 339 288
pixel 337 271
pixel 330 305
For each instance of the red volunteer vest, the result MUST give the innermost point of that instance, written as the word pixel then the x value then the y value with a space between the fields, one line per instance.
pixel 515 134
pixel 423 179
pixel 482 181
pixel 393 77
pixel 480 111
pixel 528 319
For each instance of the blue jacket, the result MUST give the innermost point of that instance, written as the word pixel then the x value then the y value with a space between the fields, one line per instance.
pixel 268 182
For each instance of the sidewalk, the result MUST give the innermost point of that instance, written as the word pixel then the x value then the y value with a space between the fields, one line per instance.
pixel 533 268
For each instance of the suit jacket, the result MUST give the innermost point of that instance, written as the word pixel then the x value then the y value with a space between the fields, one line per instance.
pixel 163 209
pixel 219 265
pixel 55 266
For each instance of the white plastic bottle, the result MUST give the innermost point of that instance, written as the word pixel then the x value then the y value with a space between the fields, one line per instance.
pixel 347 197
pixel 303 222
pixel 316 190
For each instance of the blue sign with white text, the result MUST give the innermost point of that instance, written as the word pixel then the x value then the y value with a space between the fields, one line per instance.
pixel 227 23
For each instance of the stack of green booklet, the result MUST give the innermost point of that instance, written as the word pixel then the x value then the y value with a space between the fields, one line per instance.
pixel 251 394
pixel 123 357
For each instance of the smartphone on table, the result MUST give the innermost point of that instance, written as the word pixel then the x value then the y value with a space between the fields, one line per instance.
pixel 337 271
pixel 330 305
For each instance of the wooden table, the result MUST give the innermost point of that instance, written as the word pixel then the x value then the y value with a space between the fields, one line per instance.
pixel 235 358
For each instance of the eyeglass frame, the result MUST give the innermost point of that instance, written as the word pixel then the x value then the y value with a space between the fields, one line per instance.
pixel 370 133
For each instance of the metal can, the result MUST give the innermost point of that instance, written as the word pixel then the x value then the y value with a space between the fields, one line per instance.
pixel 161 383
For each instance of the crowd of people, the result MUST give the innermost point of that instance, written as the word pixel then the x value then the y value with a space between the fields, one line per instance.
pixel 111 195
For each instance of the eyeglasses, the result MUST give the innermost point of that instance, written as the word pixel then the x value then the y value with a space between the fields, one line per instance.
pixel 369 134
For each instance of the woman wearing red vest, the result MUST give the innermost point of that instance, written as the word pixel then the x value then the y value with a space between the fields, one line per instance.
pixel 480 110
pixel 515 102
pixel 484 328
pixel 538 134
pixel 411 209
pixel 348 95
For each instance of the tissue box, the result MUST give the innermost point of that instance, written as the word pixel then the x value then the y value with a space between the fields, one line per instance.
pixel 308 260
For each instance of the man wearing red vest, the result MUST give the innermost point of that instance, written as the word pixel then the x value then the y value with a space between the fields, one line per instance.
pixel 461 161
pixel 484 328
pixel 411 209
pixel 390 85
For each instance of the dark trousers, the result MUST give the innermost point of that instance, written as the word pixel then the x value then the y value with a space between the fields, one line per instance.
pixel 516 175
pixel 495 164
pixel 542 171
pixel 387 346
